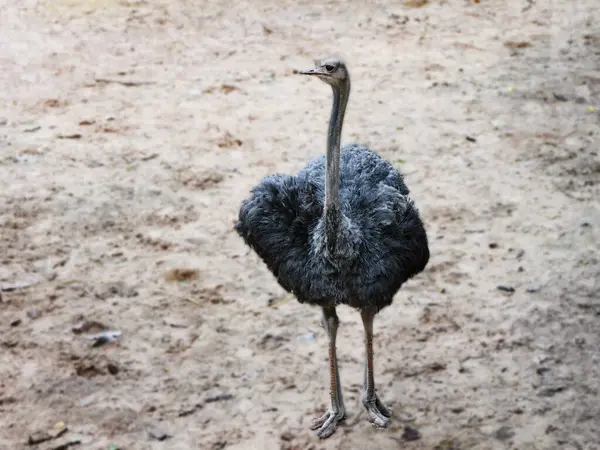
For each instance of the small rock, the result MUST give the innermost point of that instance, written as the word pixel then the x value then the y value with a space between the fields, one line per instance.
pixel 493 245
pixel 506 288
pixel 104 337
pixel 560 97
pixel 174 323
pixel 218 398
pixel 159 435
pixel 38 437
pixel 16 286
pixel 542 370
pixel 42 436
pixel 504 433
pixel 15 323
pixel 66 445
pixel 309 337
pixel 411 434
pixel 287 436
pixel 534 288
pixel 550 391
pixel 113 369
pixel 435 367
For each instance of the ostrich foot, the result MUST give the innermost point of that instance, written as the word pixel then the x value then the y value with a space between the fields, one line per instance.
pixel 328 422
pixel 377 413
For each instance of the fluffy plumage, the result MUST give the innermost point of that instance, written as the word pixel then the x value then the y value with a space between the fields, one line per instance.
pixel 381 240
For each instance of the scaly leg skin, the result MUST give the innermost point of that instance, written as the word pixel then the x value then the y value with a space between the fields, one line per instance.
pixel 377 413
pixel 328 422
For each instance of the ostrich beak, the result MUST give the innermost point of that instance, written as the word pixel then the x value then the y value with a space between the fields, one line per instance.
pixel 314 71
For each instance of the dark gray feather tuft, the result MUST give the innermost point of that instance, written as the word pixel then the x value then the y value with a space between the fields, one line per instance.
pixel 381 242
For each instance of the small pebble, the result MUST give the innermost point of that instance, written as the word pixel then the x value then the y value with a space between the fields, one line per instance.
pixel 534 288
pixel 560 97
pixel 218 398
pixel 113 369
pixel 104 337
pixel 38 437
pixel 551 391
pixel 504 433
pixel 411 434
pixel 542 370
pixel 159 435
pixel 286 436
pixel 506 288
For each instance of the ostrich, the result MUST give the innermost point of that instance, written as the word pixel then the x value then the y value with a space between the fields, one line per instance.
pixel 342 231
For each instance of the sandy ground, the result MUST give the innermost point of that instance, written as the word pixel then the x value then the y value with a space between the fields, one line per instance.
pixel 130 131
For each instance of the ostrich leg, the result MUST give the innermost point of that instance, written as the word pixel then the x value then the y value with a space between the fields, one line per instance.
pixel 328 422
pixel 377 413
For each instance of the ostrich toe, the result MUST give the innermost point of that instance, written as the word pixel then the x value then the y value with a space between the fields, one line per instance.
pixel 328 422
pixel 377 413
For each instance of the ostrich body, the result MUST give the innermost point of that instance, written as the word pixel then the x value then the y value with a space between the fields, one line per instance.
pixel 342 231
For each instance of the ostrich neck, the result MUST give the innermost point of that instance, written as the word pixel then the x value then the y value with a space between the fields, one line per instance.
pixel 332 211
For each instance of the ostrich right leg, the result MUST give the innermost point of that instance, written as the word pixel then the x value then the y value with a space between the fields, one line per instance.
pixel 377 413
pixel 328 422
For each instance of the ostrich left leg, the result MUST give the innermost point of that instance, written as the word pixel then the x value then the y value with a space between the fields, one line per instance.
pixel 377 413
pixel 328 422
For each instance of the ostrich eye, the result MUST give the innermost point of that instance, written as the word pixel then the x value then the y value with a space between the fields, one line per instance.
pixel 329 68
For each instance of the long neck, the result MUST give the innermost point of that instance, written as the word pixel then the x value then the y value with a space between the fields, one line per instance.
pixel 332 181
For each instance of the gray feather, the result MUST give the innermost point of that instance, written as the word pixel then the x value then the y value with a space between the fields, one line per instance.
pixel 381 239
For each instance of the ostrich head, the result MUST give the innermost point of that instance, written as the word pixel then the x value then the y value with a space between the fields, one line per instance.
pixel 331 70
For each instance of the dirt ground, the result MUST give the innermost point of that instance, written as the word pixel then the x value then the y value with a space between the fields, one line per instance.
pixel 130 131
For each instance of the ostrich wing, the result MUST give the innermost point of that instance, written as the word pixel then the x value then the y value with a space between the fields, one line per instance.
pixel 276 221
